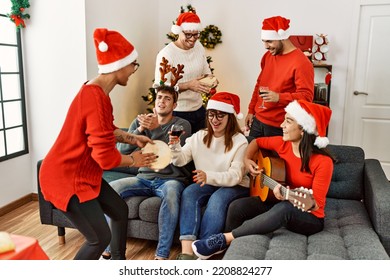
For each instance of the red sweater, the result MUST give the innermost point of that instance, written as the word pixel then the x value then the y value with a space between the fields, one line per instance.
pixel 84 147
pixel 321 168
pixel 291 75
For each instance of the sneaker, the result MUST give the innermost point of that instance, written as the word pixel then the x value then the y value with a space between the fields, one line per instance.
pixel 205 248
pixel 105 257
pixel 186 257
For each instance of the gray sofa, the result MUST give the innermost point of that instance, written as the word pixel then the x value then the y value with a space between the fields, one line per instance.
pixel 143 211
pixel 357 223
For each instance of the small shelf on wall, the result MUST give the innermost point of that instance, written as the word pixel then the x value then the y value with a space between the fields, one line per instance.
pixel 322 83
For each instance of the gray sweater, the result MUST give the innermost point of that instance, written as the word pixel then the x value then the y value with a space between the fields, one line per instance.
pixel 160 133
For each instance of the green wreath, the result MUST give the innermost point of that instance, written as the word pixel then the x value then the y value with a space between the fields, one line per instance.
pixel 210 36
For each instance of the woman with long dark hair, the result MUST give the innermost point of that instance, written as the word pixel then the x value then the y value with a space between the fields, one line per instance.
pixel 308 164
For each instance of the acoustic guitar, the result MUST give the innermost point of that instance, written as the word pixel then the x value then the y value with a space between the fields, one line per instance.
pixel 274 173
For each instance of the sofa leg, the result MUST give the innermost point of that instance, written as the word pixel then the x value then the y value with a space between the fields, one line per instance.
pixel 61 235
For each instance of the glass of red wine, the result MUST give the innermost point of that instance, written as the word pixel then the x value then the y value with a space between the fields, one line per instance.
pixel 177 130
pixel 262 91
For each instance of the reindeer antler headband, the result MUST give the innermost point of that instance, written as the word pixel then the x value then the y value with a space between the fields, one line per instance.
pixel 175 74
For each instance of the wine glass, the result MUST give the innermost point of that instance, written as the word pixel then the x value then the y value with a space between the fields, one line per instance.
pixel 176 130
pixel 263 90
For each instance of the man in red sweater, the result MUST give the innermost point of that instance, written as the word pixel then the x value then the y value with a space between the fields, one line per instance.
pixel 286 75
pixel 71 172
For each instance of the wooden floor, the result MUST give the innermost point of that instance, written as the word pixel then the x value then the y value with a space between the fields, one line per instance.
pixel 25 221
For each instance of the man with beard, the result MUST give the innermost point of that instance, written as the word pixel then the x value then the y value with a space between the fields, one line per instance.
pixel 286 75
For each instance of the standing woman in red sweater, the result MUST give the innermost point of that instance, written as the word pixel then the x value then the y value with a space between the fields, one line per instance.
pixel 71 173
pixel 307 164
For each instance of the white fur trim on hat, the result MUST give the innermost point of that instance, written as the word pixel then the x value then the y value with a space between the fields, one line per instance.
pixel 119 64
pixel 273 35
pixel 302 117
pixel 186 26
pixel 220 106
pixel 176 29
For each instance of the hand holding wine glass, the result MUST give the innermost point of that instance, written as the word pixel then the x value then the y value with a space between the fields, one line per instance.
pixel 175 132
pixel 262 91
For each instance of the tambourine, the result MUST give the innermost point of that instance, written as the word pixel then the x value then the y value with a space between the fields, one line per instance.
pixel 162 150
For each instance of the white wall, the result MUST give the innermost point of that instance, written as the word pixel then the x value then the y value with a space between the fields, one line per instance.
pixel 59 57
pixel 54 66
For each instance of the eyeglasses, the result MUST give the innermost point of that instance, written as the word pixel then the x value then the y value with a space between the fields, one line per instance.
pixel 190 35
pixel 218 115
pixel 136 66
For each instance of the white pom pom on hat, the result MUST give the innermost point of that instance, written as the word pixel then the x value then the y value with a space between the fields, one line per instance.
pixel 113 51
pixel 103 47
pixel 225 102
pixel 313 118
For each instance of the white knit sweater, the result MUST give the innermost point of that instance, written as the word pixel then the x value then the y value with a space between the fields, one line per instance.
pixel 195 66
pixel 222 169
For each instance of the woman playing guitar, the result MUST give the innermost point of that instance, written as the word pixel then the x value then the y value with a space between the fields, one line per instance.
pixel 308 164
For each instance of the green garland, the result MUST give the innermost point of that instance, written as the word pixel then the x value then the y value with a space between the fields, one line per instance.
pixel 210 36
pixel 17 12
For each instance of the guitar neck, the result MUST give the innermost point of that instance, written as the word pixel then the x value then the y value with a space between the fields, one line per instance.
pixel 271 183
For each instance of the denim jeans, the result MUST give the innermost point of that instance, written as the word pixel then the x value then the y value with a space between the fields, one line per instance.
pixel 169 191
pixel 192 225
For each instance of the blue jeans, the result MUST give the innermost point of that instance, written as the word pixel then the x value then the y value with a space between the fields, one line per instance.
pixel 169 191
pixel 192 225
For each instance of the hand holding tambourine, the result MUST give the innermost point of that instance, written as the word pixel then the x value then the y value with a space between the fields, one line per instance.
pixel 162 152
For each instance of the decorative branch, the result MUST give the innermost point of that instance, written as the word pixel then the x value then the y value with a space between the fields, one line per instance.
pixel 17 12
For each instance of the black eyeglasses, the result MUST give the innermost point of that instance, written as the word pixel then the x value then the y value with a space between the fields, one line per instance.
pixel 136 65
pixel 190 35
pixel 216 114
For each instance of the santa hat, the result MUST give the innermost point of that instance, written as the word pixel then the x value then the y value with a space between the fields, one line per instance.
pixel 113 51
pixel 313 118
pixel 275 28
pixel 186 22
pixel 225 102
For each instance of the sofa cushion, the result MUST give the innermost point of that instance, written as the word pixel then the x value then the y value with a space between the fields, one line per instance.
pixel 347 234
pixel 347 180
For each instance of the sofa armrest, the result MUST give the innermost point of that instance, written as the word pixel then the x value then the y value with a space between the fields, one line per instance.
pixel 377 200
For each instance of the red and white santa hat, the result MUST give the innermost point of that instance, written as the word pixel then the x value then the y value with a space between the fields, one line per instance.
pixel 113 51
pixel 225 102
pixel 275 28
pixel 187 22
pixel 313 118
